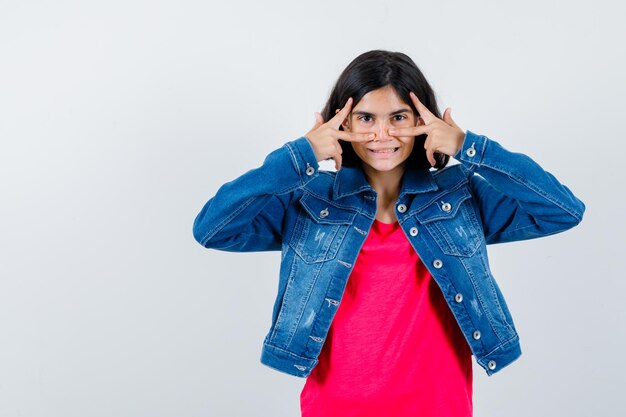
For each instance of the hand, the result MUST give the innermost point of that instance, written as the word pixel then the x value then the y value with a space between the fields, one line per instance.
pixel 324 137
pixel 444 136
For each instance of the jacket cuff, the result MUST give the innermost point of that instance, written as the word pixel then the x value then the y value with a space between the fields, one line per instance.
pixel 472 150
pixel 303 158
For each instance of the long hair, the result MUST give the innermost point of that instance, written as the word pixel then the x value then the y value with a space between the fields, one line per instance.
pixel 376 69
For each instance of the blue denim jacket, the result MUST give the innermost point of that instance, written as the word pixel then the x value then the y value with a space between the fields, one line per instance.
pixel 320 219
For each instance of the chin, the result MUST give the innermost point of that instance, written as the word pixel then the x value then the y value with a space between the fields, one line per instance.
pixel 384 166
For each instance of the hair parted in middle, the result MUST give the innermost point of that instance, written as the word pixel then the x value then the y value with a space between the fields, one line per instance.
pixel 376 69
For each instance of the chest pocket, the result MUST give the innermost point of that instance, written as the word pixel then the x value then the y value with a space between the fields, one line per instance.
pixel 452 222
pixel 320 229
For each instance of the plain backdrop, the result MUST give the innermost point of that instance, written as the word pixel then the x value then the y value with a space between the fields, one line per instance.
pixel 119 119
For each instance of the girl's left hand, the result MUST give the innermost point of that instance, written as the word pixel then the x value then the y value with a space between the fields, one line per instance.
pixel 444 136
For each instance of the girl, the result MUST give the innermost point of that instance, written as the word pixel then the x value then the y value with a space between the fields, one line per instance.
pixel 385 290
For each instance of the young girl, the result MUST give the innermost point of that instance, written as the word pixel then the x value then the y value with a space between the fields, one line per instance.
pixel 385 290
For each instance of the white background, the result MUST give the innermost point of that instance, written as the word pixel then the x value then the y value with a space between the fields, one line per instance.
pixel 119 119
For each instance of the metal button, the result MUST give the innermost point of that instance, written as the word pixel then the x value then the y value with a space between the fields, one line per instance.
pixel 309 170
pixel 437 263
pixel 446 207
pixel 471 151
pixel 401 208
pixel 324 213
pixel 458 298
pixel 413 231
pixel 491 365
pixel 476 335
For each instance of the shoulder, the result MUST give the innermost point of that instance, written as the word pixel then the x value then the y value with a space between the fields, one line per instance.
pixel 451 177
pixel 322 185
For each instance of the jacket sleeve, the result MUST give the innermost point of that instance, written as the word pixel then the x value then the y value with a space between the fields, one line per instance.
pixel 246 214
pixel 517 199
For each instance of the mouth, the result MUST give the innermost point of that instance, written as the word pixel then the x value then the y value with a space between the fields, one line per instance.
pixel 384 151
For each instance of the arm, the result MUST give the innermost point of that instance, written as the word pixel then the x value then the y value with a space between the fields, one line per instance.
pixel 517 199
pixel 246 214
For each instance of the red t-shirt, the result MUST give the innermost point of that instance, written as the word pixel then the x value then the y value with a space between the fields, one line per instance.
pixel 393 348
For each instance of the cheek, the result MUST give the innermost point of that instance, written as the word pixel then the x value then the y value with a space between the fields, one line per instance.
pixel 408 144
pixel 357 147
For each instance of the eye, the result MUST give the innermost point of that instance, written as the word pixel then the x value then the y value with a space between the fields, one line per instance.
pixel 399 117
pixel 365 118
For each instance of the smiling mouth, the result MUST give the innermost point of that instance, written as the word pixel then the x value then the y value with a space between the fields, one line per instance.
pixel 388 150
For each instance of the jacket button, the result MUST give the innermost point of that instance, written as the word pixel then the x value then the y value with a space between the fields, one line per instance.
pixel 437 263
pixel 458 298
pixel 413 231
pixel 324 213
pixel 476 335
pixel 471 151
pixel 309 170
pixel 446 207
pixel 491 365
pixel 401 208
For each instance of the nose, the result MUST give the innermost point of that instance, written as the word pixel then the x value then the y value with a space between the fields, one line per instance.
pixel 382 132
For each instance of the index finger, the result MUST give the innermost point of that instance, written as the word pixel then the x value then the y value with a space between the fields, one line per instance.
pixel 423 110
pixel 338 118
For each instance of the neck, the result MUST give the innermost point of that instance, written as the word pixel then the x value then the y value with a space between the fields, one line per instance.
pixel 386 183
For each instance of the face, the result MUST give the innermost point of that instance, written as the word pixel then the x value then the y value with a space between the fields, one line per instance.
pixel 377 112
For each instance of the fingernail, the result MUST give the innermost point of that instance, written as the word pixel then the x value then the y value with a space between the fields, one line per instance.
pixel 371 136
pixel 392 131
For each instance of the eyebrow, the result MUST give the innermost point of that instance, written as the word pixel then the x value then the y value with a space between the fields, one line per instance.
pixel 393 113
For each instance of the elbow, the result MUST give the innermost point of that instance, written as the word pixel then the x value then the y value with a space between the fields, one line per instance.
pixel 574 216
pixel 199 231
pixel 578 212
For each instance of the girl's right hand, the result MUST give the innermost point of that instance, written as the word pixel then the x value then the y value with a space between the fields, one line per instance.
pixel 324 137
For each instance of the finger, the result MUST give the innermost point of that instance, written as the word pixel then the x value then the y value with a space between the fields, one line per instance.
pixel 423 110
pixel 410 131
pixel 354 137
pixel 447 117
pixel 338 161
pixel 430 155
pixel 319 120
pixel 338 118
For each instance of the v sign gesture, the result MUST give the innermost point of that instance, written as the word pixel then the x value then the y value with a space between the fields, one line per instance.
pixel 443 136
pixel 324 137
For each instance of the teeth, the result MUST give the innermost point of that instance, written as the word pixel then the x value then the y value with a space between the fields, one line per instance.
pixel 385 150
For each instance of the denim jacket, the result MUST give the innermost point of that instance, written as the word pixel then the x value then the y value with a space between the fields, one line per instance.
pixel 319 220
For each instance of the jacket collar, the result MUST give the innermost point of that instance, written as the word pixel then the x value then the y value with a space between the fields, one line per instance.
pixel 351 180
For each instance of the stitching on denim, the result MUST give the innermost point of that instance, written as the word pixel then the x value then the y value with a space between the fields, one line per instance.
pixel 438 196
pixel 331 301
pixel 346 264
pixel 481 300
pixel 530 186
pixel 302 305
pixel 280 317
pixel 451 248
pixel 294 160
pixel 333 202
pixel 363 232
pixel 502 345
pixel 226 220
pixel 289 353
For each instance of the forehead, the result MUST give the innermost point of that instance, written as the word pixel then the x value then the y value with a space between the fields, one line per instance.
pixel 381 100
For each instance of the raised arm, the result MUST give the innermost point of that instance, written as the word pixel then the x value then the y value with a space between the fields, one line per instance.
pixel 517 198
pixel 246 214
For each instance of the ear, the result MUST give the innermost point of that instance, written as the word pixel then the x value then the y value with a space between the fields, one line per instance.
pixel 346 123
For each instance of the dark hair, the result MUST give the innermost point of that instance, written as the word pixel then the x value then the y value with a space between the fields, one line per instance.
pixel 376 69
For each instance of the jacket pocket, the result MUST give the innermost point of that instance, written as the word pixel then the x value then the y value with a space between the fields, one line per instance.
pixel 320 229
pixel 451 220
